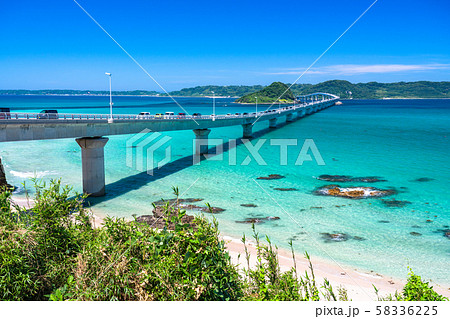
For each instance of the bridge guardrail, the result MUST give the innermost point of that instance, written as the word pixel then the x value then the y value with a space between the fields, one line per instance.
pixel 100 117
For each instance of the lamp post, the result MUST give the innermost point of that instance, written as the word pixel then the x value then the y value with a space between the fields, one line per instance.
pixel 110 120
pixel 256 105
pixel 214 106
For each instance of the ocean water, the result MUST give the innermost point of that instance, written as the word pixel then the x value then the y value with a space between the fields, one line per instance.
pixel 399 141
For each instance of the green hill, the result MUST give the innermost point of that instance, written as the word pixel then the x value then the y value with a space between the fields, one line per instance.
pixel 276 92
pixel 375 90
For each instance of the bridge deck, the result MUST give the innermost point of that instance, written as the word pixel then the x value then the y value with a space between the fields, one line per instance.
pixel 28 126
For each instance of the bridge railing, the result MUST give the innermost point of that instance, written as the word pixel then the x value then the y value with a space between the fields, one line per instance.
pixel 103 117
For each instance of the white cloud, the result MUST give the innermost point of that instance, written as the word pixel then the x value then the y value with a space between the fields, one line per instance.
pixel 353 69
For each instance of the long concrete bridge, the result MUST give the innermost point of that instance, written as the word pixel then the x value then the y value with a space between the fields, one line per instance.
pixel 89 129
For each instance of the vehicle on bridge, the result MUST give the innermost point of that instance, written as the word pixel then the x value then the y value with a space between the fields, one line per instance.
pixel 169 115
pixel 159 116
pixel 5 113
pixel 144 115
pixel 196 115
pixel 181 116
pixel 48 115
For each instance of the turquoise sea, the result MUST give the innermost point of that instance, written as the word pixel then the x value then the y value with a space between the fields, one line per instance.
pixel 399 141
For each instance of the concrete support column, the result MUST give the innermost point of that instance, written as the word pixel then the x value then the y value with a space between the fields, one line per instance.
pixel 273 123
pixel 290 117
pixel 201 141
pixel 93 164
pixel 247 130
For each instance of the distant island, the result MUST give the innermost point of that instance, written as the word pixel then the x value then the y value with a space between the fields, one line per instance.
pixel 345 89
pixel 276 92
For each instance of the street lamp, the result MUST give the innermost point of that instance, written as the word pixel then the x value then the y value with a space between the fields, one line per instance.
pixel 256 105
pixel 110 120
pixel 214 106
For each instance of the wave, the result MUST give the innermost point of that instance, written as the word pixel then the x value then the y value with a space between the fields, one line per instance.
pixel 31 174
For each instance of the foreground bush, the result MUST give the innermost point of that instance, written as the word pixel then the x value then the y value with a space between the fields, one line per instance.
pixel 52 252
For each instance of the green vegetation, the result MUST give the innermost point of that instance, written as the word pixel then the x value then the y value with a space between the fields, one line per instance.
pixel 276 92
pixel 227 91
pixel 52 252
pixel 371 90
pixel 414 290
pixel 375 90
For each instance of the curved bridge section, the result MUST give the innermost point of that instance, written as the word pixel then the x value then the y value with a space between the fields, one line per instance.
pixel 89 130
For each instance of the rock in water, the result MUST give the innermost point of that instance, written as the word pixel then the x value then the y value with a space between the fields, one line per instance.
pixel 271 176
pixel 249 205
pixel 352 192
pixel 395 203
pixel 423 179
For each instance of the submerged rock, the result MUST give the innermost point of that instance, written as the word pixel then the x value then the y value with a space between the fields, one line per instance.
pixel 337 237
pixel 352 192
pixel 334 237
pixel 445 232
pixel 384 221
pixel 173 201
pixel 285 189
pixel 415 233
pixel 159 220
pixel 395 203
pixel 423 179
pixel 347 178
pixel 249 205
pixel 258 220
pixel 271 176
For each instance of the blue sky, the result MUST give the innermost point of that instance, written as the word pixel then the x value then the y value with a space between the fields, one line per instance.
pixel 54 44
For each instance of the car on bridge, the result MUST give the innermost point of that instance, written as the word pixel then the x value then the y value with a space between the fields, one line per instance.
pixel 196 115
pixel 159 116
pixel 144 115
pixel 169 115
pixel 5 113
pixel 181 116
pixel 48 115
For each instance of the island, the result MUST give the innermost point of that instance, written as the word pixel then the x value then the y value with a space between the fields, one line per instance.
pixel 277 92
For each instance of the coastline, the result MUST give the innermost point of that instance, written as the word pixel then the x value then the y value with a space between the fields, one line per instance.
pixel 358 283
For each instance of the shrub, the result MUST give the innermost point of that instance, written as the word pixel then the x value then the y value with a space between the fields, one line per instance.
pixel 267 282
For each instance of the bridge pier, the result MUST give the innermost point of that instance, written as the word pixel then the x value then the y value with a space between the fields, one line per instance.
pixel 93 164
pixel 289 117
pixel 201 141
pixel 273 123
pixel 247 130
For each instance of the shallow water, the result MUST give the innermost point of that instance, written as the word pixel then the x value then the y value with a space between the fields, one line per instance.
pixel 396 140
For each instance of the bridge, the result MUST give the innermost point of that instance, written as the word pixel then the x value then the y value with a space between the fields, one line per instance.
pixel 89 129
